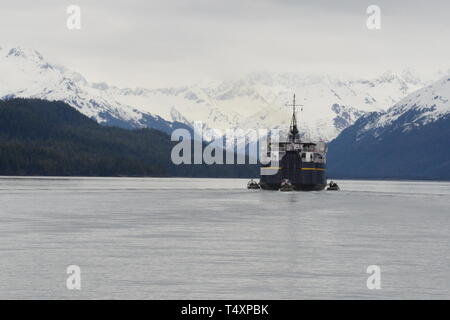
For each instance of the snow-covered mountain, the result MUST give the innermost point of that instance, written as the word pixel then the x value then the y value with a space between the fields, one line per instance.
pixel 25 73
pixel 410 140
pixel 258 101
pixel 255 101
pixel 420 108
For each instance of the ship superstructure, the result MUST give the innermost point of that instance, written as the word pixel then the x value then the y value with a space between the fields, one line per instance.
pixel 300 163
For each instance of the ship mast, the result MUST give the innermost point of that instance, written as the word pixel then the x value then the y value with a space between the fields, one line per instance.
pixel 293 130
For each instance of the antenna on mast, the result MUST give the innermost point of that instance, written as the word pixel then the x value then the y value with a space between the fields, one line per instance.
pixel 293 130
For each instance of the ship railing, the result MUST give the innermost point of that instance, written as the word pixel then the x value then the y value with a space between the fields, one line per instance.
pixel 293 148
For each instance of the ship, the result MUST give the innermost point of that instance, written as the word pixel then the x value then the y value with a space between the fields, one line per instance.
pixel 301 165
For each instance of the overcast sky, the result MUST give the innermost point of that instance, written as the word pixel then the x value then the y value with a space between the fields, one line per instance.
pixel 154 43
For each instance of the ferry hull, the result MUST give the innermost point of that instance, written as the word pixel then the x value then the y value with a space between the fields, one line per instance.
pixel 304 176
pixel 297 187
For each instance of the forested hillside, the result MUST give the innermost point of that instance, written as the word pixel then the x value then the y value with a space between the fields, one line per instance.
pixel 39 137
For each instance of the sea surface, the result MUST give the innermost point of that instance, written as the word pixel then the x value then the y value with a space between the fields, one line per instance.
pixel 213 239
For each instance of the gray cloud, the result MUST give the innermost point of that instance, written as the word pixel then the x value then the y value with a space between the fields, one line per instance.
pixel 160 42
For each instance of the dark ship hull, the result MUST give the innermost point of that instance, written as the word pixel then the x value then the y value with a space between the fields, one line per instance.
pixel 300 187
pixel 304 176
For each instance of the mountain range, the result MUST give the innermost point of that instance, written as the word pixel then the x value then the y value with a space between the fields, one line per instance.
pixel 254 101
pixel 394 126
pixel 409 140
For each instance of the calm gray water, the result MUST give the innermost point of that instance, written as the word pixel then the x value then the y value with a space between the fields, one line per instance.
pixel 213 239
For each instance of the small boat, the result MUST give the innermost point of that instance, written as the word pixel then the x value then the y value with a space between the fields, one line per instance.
pixel 286 185
pixel 253 185
pixel 333 186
